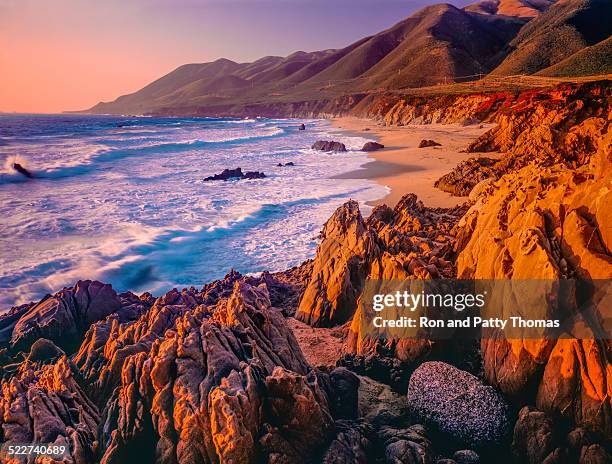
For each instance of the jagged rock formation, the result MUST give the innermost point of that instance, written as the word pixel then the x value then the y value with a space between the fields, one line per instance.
pixel 549 223
pixel 214 375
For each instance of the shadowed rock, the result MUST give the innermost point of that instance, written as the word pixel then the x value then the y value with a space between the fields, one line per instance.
pixel 461 180
pixel 301 127
pixel 323 145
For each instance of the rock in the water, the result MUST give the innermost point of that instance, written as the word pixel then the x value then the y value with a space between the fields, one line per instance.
pixel 229 174
pixel 65 316
pixel 290 163
pixel 372 146
pixel 21 170
pixel 301 127
pixel 324 145
pixel 429 143
pixel 458 404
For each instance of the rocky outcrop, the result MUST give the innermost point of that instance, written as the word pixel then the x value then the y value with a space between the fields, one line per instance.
pixel 339 268
pixel 562 125
pixel 539 439
pixel 45 404
pixel 372 146
pixel 65 316
pixel 466 175
pixel 323 145
pixel 214 375
pixel 458 404
pixel 548 222
pixel 232 174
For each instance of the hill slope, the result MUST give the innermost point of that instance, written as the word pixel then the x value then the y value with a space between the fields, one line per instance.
pixel 565 28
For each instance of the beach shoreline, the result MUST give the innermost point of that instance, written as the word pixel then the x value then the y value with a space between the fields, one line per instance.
pixel 404 168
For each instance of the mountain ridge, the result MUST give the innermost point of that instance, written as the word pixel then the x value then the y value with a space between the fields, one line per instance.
pixel 451 44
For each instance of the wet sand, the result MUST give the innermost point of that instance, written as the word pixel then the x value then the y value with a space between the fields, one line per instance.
pixel 405 168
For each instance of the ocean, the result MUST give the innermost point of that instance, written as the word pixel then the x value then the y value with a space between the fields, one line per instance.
pixel 122 199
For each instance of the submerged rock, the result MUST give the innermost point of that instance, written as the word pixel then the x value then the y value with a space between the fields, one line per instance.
pixel 458 404
pixel 237 173
pixel 372 146
pixel 429 143
pixel 290 163
pixel 324 145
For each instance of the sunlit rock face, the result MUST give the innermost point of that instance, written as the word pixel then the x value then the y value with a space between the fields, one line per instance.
pixel 549 222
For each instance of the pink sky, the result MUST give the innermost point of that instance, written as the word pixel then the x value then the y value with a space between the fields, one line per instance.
pixel 59 55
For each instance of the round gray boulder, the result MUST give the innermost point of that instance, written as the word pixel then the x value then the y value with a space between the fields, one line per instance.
pixel 458 404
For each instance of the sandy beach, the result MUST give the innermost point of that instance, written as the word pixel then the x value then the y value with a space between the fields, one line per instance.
pixel 405 168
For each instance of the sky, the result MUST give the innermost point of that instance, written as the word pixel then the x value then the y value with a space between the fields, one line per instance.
pixel 58 55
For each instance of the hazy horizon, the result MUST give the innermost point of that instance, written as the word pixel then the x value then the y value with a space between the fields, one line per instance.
pixel 69 55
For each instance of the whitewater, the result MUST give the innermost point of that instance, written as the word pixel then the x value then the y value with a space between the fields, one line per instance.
pixel 122 199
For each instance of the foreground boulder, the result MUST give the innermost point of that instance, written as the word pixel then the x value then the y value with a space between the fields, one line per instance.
pixel 372 146
pixel 458 404
pixel 429 143
pixel 65 316
pixel 323 145
pixel 229 174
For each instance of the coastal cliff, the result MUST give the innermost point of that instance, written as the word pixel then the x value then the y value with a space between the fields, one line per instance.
pixel 217 374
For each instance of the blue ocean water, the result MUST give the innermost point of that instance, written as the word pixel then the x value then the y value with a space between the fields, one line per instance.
pixel 122 199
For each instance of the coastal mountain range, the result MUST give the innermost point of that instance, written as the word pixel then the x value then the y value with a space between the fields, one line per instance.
pixel 492 37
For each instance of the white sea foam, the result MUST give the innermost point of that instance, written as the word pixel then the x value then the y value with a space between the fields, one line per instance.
pixel 131 208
